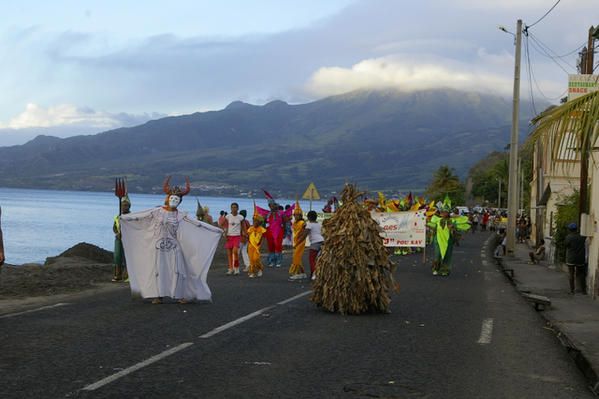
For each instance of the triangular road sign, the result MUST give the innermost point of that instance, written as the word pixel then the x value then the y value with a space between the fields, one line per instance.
pixel 311 193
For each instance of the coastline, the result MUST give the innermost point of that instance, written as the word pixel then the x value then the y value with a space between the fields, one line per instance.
pixel 82 270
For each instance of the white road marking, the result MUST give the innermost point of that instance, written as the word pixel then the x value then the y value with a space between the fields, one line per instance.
pixel 178 348
pixel 250 316
pixel 34 310
pixel 135 367
pixel 485 263
pixel 486 332
pixel 293 298
pixel 235 322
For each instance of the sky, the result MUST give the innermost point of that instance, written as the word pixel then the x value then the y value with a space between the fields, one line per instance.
pixel 80 67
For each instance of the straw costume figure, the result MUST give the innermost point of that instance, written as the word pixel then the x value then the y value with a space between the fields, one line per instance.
pixel 354 273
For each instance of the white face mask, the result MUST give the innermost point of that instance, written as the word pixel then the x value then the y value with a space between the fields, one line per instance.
pixel 174 201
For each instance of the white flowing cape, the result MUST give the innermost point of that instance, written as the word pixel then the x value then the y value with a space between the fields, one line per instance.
pixel 168 254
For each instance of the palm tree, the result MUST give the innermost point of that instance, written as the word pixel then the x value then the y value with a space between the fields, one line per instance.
pixel 445 181
pixel 570 127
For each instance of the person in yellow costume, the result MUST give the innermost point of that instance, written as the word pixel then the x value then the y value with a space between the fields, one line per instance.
pixel 296 270
pixel 255 233
pixel 445 230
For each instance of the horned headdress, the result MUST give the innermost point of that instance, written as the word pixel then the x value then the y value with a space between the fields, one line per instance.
pixel 176 190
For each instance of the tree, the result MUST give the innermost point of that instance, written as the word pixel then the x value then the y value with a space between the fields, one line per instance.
pixel 567 212
pixel 486 175
pixel 571 127
pixel 445 181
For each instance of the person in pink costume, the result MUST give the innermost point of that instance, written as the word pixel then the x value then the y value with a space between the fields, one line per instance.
pixel 275 229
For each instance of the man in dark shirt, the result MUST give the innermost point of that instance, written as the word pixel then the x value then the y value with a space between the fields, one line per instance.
pixel 575 258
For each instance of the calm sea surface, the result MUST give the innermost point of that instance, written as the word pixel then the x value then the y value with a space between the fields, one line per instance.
pixel 41 223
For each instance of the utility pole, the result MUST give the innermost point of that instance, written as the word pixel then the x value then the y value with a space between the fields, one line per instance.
pixel 512 191
pixel 585 145
pixel 499 194
pixel 588 69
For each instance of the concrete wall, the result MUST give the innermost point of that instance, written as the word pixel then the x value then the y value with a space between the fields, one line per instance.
pixel 593 240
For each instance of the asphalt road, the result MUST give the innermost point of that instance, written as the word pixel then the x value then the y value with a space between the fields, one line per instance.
pixel 469 335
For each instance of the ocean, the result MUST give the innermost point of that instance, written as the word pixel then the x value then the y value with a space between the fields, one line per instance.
pixel 40 223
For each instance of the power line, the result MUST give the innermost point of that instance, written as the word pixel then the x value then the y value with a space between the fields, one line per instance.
pixel 545 50
pixel 544 15
pixel 528 68
pixel 548 52
pixel 534 79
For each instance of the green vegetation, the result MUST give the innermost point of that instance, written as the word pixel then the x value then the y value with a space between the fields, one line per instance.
pixel 567 212
pixel 487 173
pixel 446 182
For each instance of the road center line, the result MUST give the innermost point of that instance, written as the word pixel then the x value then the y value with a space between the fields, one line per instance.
pixel 178 348
pixel 250 316
pixel 235 322
pixel 135 367
pixel 486 332
pixel 34 310
pixel 293 298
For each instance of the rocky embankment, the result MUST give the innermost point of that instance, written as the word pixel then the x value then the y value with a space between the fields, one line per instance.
pixel 80 267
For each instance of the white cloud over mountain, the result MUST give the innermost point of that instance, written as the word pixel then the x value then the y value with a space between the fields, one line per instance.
pixel 71 115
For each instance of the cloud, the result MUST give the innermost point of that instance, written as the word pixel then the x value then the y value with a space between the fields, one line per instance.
pixel 70 115
pixel 370 43
pixel 395 72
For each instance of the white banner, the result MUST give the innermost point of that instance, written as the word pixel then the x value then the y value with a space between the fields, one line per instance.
pixel 402 229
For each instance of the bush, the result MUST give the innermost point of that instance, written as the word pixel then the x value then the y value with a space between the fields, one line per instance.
pixel 567 212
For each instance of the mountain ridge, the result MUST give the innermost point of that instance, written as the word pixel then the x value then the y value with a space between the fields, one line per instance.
pixel 378 139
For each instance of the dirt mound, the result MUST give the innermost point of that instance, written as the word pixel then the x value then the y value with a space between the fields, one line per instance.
pixel 83 250
pixel 66 275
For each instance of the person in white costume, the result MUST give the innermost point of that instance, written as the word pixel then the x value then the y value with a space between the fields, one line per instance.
pixel 169 253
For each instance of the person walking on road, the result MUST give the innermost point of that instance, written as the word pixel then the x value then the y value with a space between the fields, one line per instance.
pixel 255 234
pixel 234 229
pixel 296 270
pixel 243 247
pixel 445 232
pixel 575 259
pixel 313 230
pixel 120 265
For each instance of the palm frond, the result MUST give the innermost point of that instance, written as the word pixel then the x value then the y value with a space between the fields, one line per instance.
pixel 569 127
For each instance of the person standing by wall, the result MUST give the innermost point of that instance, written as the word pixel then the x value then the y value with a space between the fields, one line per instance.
pixel 575 259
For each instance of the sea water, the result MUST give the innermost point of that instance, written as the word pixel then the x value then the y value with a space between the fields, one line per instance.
pixel 40 223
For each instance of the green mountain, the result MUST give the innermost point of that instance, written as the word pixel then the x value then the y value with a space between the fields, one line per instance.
pixel 378 139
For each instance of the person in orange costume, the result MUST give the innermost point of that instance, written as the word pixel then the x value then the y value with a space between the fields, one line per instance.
pixel 255 233
pixel 296 270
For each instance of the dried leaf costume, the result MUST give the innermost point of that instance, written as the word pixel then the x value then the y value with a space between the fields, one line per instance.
pixel 354 274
